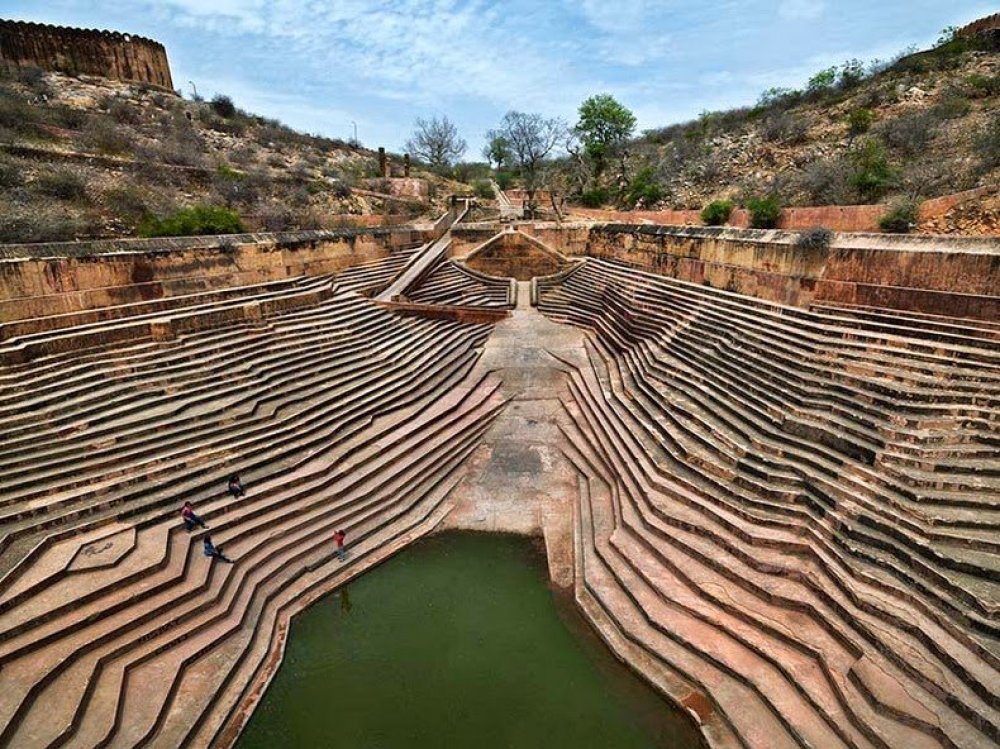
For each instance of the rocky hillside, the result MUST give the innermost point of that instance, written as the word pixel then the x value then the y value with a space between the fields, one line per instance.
pixel 924 125
pixel 84 157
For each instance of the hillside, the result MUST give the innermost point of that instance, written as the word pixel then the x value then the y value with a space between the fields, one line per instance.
pixel 924 125
pixel 84 157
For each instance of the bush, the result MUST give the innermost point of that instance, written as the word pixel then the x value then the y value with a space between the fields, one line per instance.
pixel 643 189
pixel 826 182
pixel 951 106
pixel 988 144
pixel 505 180
pixel 764 212
pixel 900 218
pixel 103 136
pixel 483 189
pixel 817 238
pixel 872 176
pixel 70 118
pixel 982 86
pixel 782 127
pixel 275 217
pixel 64 184
pixel 910 133
pixel 45 225
pixel 717 212
pixel 859 121
pixel 127 203
pixel 196 221
pixel 10 174
pixel 17 115
pixel 595 198
pixel 223 106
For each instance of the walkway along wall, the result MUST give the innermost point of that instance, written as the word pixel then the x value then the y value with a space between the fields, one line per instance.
pixel 56 278
pixel 935 275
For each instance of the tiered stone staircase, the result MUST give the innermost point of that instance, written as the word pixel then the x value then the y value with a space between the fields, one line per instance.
pixel 115 630
pixel 455 284
pixel 788 519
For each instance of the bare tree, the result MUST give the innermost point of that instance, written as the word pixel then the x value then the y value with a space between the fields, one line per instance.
pixel 531 138
pixel 437 142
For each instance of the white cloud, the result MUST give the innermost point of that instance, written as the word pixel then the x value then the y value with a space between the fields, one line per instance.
pixel 801 10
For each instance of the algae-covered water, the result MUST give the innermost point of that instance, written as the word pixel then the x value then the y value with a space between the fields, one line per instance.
pixel 457 642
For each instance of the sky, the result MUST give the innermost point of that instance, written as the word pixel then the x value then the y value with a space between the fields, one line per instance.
pixel 324 66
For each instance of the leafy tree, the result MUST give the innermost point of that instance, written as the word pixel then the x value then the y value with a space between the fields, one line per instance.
pixel 604 127
pixel 823 80
pixel 437 142
pixel 223 106
pixel 859 121
pixel 497 150
pixel 644 189
pixel 531 138
pixel 852 73
pixel 872 175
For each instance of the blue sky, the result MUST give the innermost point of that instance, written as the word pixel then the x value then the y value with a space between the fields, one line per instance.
pixel 320 65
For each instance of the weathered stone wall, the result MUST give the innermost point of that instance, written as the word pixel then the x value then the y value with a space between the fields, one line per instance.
pixel 514 255
pixel 49 279
pixel 935 275
pixel 105 53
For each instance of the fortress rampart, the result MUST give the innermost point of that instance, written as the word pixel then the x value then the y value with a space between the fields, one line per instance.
pixel 987 24
pixel 110 54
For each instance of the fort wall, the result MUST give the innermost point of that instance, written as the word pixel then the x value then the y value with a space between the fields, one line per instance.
pixel 110 54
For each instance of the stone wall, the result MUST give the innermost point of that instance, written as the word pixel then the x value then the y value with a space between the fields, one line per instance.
pixel 935 275
pixel 58 278
pixel 512 254
pixel 839 218
pixel 105 53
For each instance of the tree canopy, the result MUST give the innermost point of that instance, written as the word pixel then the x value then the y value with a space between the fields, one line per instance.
pixel 605 125
pixel 437 142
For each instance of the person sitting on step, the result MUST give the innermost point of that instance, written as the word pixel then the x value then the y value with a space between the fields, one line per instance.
pixel 190 518
pixel 236 486
pixel 211 550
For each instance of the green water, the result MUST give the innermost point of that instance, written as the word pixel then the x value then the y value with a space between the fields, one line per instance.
pixel 457 642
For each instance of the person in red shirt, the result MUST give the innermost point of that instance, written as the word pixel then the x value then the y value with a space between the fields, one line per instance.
pixel 338 538
pixel 190 519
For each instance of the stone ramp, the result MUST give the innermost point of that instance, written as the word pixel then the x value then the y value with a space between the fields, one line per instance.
pixel 791 584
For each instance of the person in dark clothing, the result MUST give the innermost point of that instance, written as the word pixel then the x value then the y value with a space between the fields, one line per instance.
pixel 211 550
pixel 236 486
pixel 191 520
pixel 338 538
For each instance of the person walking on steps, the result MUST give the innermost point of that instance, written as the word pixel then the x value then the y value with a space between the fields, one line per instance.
pixel 338 538
pixel 215 552
pixel 191 520
pixel 236 486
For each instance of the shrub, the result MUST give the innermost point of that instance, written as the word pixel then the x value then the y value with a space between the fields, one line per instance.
pixel 10 174
pixel 782 127
pixel 45 225
pixel 910 133
pixel 64 184
pixel 643 189
pixel 595 198
pixel 17 115
pixel 103 136
pixel 988 144
pixel 872 175
pixel 982 86
pixel 717 212
pixel 951 106
pixel 900 218
pixel 483 189
pixel 196 221
pixel 127 203
pixel 31 75
pixel 817 238
pixel 70 118
pixel 505 180
pixel 122 111
pixel 859 121
pixel 764 212
pixel 223 106
pixel 826 182
pixel 342 190
pixel 275 217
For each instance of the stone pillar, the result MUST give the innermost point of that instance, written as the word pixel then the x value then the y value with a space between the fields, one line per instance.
pixel 383 163
pixel 406 165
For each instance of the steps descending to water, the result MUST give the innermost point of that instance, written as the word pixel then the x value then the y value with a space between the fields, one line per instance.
pixel 793 514
pixel 115 630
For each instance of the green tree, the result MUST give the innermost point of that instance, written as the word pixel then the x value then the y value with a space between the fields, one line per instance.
pixel 823 80
pixel 872 174
pixel 604 127
pixel 497 150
